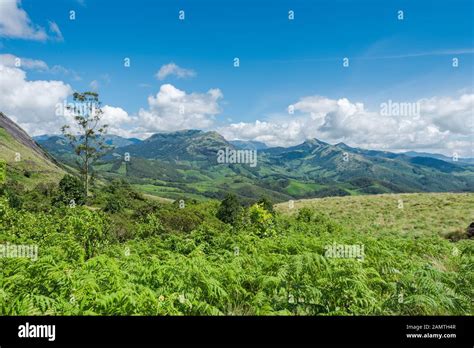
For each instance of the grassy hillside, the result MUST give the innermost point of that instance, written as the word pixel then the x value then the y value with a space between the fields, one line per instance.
pixel 24 164
pixel 413 213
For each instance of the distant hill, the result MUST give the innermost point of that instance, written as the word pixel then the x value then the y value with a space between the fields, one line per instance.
pixel 61 150
pixel 27 162
pixel 118 141
pixel 58 145
pixel 192 145
pixel 185 163
pixel 460 160
pixel 248 145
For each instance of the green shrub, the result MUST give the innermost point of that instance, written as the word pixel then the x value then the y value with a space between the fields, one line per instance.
pixel 3 171
pixel 179 220
pixel 262 220
pixel 88 227
pixel 305 214
pixel 267 204
pixel 70 191
pixel 151 226
pixel 229 210
pixel 114 204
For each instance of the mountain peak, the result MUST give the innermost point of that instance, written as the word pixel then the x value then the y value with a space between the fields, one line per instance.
pixel 183 132
pixel 190 144
pixel 343 146
pixel 314 142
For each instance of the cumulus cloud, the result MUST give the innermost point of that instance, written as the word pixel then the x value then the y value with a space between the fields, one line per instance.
pixel 450 114
pixel 115 115
pixel 15 22
pixel 173 69
pixel 118 121
pixel 173 109
pixel 40 106
pixel 444 124
pixel 31 103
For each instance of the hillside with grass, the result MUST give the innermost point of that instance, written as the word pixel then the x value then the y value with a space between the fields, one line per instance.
pixel 414 214
pixel 26 162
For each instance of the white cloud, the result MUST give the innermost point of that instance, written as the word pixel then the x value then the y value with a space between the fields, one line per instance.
pixel 118 121
pixel 53 28
pixel 445 125
pixel 60 70
pixel 34 104
pixel 173 69
pixel 15 23
pixel 173 109
pixel 12 61
pixel 115 115
pixel 450 114
pixel 31 103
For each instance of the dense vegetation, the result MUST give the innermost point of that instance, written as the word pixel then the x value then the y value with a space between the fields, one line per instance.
pixel 124 254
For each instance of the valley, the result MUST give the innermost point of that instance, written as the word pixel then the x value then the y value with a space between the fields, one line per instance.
pixel 186 162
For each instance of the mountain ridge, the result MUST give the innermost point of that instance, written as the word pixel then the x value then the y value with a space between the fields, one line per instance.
pixel 185 162
pixel 259 145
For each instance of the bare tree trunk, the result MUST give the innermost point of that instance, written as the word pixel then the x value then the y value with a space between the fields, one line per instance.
pixel 86 170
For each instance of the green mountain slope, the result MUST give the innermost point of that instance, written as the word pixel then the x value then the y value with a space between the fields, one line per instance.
pixel 188 145
pixel 368 171
pixel 26 162
pixel 185 162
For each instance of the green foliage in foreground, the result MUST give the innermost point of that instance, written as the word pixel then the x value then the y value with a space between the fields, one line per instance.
pixel 217 269
pixel 3 171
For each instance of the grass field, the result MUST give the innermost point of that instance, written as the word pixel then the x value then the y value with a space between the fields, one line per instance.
pixel 411 213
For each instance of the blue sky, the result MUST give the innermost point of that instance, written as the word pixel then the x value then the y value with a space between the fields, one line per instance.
pixel 281 61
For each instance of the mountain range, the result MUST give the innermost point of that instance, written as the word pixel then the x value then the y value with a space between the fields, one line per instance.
pixel 184 163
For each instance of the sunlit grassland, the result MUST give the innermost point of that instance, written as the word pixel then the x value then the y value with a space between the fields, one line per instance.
pixel 411 213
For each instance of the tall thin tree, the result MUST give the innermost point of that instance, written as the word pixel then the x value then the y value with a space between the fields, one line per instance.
pixel 87 137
